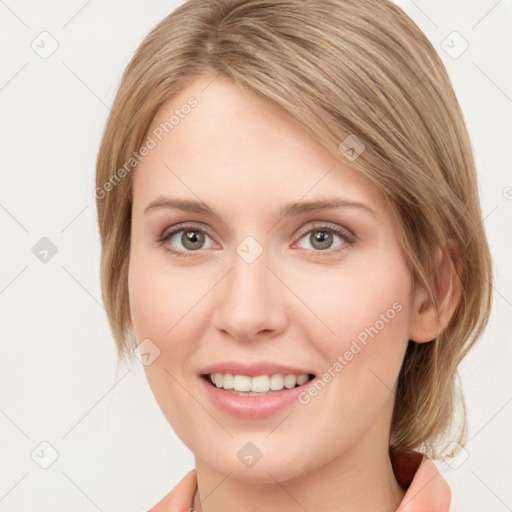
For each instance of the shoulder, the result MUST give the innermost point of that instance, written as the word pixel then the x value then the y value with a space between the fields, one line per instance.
pixel 181 498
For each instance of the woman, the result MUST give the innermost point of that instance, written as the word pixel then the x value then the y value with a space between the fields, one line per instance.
pixel 291 233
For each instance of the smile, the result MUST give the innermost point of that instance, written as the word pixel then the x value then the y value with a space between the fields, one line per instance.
pixel 258 385
pixel 242 401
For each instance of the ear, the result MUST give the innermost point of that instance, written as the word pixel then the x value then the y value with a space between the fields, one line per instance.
pixel 427 321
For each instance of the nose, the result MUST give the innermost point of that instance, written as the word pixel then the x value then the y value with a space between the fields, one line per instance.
pixel 250 301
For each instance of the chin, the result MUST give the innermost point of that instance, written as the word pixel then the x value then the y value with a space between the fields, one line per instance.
pixel 271 466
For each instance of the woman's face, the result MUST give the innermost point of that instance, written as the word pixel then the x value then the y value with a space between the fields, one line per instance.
pixel 324 291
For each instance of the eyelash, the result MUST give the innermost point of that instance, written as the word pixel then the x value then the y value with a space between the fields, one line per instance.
pixel 348 239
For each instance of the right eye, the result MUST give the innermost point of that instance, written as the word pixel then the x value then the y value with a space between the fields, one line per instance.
pixel 186 239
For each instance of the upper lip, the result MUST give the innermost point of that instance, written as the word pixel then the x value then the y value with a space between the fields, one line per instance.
pixel 253 369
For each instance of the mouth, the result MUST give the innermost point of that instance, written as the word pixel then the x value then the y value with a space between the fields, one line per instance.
pixel 244 385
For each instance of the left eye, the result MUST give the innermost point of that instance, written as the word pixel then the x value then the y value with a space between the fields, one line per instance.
pixel 322 239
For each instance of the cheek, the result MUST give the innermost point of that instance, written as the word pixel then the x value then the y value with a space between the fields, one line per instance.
pixel 367 314
pixel 365 318
pixel 166 308
pixel 163 299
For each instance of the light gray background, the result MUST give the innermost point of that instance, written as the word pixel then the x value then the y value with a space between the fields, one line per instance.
pixel 59 384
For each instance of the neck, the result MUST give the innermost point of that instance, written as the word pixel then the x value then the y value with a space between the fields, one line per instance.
pixel 360 478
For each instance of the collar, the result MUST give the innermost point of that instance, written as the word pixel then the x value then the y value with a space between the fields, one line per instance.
pixel 426 489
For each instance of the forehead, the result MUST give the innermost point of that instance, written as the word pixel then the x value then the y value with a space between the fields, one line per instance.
pixel 233 148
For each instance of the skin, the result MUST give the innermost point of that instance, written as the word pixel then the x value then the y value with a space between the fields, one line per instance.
pixel 296 303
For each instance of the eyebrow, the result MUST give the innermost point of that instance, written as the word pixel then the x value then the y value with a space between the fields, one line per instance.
pixel 296 208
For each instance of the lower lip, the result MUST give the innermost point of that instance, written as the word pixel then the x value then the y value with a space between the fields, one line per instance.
pixel 252 407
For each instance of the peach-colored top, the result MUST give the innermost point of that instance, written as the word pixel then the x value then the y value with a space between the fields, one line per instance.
pixel 427 490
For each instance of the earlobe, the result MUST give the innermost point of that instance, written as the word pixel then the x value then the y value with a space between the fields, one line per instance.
pixel 427 321
pixel 129 323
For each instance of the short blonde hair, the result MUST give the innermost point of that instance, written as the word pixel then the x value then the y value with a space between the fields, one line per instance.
pixel 340 67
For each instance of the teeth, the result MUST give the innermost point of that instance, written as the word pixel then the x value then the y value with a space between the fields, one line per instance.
pixel 240 383
pixel 302 379
pixel 227 381
pixel 276 382
pixel 258 384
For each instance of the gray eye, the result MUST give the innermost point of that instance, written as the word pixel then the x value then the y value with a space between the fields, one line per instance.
pixel 322 239
pixel 190 239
